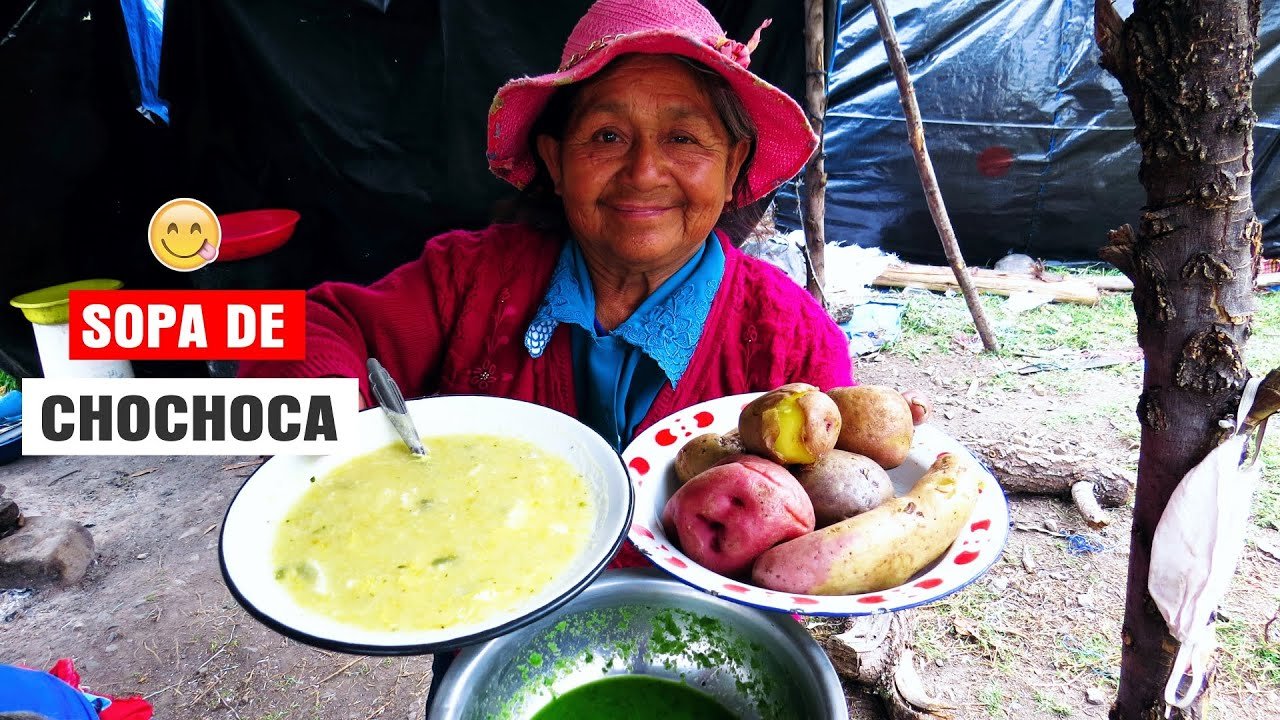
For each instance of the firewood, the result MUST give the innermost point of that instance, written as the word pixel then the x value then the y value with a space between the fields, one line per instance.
pixel 1035 466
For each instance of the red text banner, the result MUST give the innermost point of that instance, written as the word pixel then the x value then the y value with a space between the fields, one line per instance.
pixel 187 324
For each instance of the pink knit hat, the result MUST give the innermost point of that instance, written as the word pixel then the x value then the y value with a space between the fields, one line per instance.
pixel 656 27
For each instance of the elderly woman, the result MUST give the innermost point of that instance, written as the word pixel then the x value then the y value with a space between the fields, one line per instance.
pixel 626 302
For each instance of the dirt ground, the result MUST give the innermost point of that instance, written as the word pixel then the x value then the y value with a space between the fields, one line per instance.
pixel 1028 640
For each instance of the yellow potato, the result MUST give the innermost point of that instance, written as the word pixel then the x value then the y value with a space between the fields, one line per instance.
pixel 793 425
pixel 876 421
pixel 881 548
pixel 705 451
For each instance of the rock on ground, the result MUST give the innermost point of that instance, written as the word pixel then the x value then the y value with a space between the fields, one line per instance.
pixel 45 551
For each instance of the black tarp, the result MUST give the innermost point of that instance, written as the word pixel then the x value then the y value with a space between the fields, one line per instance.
pixel 1019 81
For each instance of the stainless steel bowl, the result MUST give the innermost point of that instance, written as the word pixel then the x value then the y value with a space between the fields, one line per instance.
pixel 761 666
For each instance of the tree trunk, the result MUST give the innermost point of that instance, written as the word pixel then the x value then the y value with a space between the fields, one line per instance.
pixel 815 173
pixel 1186 67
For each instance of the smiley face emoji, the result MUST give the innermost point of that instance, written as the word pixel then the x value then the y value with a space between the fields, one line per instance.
pixel 184 234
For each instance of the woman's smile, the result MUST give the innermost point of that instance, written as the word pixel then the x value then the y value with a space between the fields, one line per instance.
pixel 640 211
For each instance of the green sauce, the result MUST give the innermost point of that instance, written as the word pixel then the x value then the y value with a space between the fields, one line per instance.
pixel 634 697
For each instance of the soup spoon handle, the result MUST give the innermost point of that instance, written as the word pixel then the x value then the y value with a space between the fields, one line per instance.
pixel 388 395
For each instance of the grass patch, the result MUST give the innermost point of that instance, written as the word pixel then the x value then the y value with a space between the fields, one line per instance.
pixel 1246 658
pixel 931 322
pixel 1263 350
pixel 1051 704
pixel 1095 655
pixel 928 642
pixel 7 382
pixel 973 614
pixel 993 700
pixel 1266 498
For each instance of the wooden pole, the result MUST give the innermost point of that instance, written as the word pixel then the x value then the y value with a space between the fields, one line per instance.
pixel 932 194
pixel 815 173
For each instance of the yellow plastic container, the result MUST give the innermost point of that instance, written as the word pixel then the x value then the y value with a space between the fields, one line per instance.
pixel 48 306
pixel 48 310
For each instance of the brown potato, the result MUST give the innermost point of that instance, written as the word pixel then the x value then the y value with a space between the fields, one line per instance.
pixel 842 484
pixel 793 425
pixel 705 451
pixel 876 421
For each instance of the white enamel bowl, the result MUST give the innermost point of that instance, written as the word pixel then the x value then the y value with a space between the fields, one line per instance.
pixel 651 462
pixel 255 514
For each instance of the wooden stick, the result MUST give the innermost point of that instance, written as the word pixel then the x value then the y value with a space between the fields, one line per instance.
pixel 934 277
pixel 815 174
pixel 1087 503
pixel 932 194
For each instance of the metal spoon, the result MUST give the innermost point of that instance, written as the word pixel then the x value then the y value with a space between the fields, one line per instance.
pixel 392 402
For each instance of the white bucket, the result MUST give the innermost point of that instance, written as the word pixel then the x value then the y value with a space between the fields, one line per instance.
pixel 53 343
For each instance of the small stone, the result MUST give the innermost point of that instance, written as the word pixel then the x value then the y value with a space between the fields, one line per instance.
pixel 1085 601
pixel 142 556
pixel 1060 576
pixel 1095 696
pixel 1029 561
pixel 999 584
pixel 45 551
pixel 111 648
pixel 78 625
pixel 10 516
pixel 1051 525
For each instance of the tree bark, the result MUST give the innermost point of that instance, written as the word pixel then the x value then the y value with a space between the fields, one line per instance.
pixel 1186 67
pixel 815 173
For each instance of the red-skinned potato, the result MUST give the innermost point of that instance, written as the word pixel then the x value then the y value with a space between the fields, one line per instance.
pixel 794 425
pixel 705 451
pixel 881 548
pixel 876 421
pixel 729 514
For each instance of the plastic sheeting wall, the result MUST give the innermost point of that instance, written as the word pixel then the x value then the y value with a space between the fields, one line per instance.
pixel 1032 141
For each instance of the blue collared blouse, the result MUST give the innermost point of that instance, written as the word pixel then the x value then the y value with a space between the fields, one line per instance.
pixel 618 374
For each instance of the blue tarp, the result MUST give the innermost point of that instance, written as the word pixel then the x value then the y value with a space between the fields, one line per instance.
pixel 144 21
pixel 1031 140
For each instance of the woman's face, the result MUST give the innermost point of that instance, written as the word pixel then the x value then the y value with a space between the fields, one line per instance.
pixel 645 166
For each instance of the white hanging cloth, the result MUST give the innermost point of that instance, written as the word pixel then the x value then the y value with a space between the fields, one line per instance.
pixel 1196 547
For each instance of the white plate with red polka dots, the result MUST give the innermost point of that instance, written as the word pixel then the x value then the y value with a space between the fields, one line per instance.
pixel 650 461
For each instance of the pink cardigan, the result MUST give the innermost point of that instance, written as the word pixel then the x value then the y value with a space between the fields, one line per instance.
pixel 453 322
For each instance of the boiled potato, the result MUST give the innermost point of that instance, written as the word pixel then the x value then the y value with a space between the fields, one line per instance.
pixel 704 451
pixel 793 425
pixel 876 421
pixel 729 514
pixel 842 485
pixel 881 548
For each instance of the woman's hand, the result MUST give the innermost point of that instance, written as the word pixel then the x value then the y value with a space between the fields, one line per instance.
pixel 921 408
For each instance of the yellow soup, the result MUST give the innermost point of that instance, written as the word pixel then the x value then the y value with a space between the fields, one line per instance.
pixel 389 541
